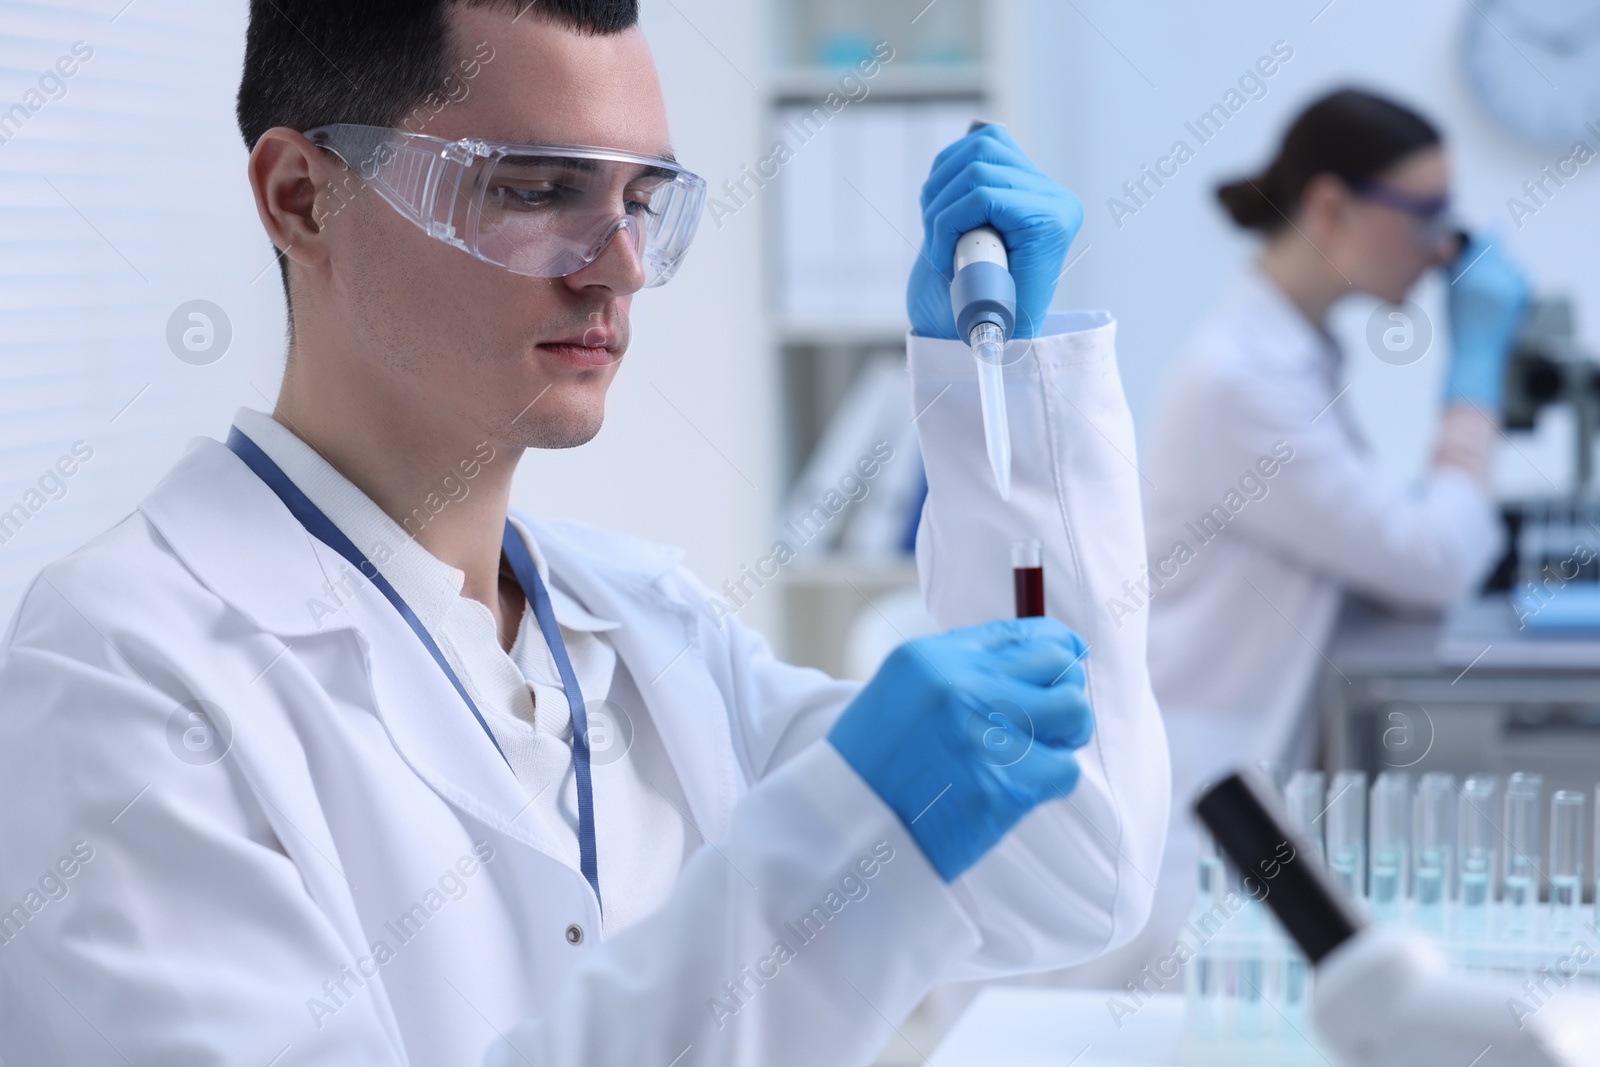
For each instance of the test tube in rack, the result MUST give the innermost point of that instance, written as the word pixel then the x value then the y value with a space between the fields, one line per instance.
pixel 1524 798
pixel 1433 848
pixel 1391 840
pixel 1478 852
pixel 1566 860
pixel 1347 831
pixel 1306 797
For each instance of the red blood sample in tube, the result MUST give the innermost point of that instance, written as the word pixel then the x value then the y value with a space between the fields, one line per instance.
pixel 1027 576
pixel 1030 591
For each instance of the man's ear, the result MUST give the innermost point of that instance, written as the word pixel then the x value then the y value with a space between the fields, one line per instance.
pixel 297 188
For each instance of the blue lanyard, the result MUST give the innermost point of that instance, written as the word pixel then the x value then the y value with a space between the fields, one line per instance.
pixel 533 588
pixel 539 598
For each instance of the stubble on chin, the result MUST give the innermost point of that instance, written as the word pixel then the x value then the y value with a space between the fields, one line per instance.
pixel 556 429
pixel 561 413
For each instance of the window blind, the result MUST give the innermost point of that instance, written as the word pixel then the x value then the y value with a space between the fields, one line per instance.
pixel 139 296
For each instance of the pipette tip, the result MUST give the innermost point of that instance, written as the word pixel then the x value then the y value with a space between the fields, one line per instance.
pixel 992 394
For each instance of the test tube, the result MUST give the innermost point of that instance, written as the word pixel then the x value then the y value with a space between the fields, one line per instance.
pixel 1434 849
pixel 1027 577
pixel 1566 860
pixel 1524 794
pixel 1477 852
pixel 1391 841
pixel 1306 796
pixel 1347 831
pixel 1304 799
pixel 1208 987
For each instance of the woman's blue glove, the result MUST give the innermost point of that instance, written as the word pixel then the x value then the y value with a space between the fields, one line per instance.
pixel 1488 300
pixel 965 733
pixel 984 178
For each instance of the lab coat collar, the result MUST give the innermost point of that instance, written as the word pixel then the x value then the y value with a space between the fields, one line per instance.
pixel 429 585
pixel 238 539
pixel 569 613
pixel 234 533
pixel 1292 345
pixel 1259 301
pixel 231 530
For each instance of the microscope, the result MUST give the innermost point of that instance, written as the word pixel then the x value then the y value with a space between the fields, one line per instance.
pixel 1555 533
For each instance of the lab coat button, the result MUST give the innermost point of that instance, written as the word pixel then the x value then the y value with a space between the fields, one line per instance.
pixel 574 934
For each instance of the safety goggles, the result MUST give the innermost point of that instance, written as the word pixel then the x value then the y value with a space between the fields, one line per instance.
pixel 1435 221
pixel 535 210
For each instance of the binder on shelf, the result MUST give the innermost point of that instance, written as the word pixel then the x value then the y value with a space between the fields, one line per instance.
pixel 849 206
pixel 806 199
pixel 862 459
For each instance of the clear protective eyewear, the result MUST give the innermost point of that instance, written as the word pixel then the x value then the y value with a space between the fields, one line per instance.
pixel 1435 220
pixel 537 210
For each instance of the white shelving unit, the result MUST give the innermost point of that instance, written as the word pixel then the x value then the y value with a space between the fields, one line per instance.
pixel 949 57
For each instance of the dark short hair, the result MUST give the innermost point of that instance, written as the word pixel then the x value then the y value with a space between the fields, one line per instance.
pixel 309 63
pixel 1353 134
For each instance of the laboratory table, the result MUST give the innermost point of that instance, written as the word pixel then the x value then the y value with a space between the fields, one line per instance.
pixel 1018 1026
pixel 1391 681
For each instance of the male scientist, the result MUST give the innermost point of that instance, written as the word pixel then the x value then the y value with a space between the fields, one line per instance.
pixel 298 768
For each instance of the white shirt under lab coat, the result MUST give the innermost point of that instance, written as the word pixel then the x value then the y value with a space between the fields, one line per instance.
pixel 1262 507
pixel 353 882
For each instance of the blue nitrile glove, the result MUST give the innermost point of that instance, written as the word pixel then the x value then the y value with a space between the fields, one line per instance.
pixel 984 178
pixel 1488 300
pixel 965 733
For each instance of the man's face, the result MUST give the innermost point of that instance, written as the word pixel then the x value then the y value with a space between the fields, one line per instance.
pixel 475 343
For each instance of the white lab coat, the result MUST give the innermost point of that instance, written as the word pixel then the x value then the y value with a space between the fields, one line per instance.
pixel 1240 628
pixel 359 803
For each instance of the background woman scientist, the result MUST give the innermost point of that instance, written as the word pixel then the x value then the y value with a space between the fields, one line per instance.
pixel 1263 504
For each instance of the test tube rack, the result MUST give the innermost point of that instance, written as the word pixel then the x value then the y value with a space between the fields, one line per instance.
pixel 1461 863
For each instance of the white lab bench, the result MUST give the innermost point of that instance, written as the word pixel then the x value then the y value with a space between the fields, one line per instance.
pixel 1017 1026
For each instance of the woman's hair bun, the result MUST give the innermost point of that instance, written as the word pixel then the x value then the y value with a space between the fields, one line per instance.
pixel 1249 205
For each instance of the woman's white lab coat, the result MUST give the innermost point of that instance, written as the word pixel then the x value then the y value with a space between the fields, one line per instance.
pixel 1262 508
pixel 352 883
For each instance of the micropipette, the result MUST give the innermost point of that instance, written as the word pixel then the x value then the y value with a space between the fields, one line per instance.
pixel 983 296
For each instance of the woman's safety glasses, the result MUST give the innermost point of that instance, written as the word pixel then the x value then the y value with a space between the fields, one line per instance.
pixel 1432 214
pixel 540 211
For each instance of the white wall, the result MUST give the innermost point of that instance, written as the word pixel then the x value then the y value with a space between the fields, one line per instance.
pixel 1109 85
